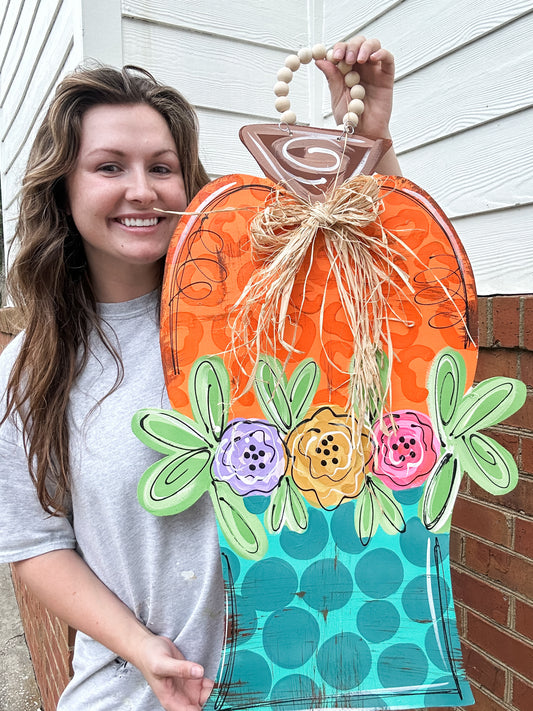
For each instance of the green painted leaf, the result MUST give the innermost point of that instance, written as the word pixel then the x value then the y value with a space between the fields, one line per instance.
pixel 302 388
pixel 168 431
pixel 174 484
pixel 275 513
pixel 209 392
pixel 242 529
pixel 367 516
pixel 392 520
pixel 489 464
pixel 446 386
pixel 297 516
pixel 270 387
pixel 487 404
pixel 440 493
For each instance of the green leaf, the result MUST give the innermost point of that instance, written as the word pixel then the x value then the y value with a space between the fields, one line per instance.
pixel 440 493
pixel 270 387
pixel 392 520
pixel 209 393
pixel 298 516
pixel 242 529
pixel 168 431
pixel 489 464
pixel 275 514
pixel 302 388
pixel 487 404
pixel 367 516
pixel 446 386
pixel 286 508
pixel 174 484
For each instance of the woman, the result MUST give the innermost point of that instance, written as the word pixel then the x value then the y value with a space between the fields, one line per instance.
pixel 144 592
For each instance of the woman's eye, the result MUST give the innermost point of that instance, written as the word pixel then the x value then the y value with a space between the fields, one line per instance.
pixel 162 169
pixel 109 168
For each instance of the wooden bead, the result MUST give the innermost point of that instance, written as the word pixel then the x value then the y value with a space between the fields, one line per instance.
pixel 281 88
pixel 319 51
pixel 344 67
pixel 288 117
pixel 351 79
pixel 351 119
pixel 330 57
pixel 292 62
pixel 355 106
pixel 282 104
pixel 285 74
pixel 305 55
pixel 357 92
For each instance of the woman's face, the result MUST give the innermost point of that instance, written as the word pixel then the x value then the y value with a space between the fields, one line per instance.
pixel 127 168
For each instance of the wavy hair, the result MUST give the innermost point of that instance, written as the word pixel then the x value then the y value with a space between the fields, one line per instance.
pixel 49 281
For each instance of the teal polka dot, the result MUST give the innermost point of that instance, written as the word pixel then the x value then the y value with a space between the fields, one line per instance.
pixel 231 567
pixel 309 544
pixel 402 665
pixel 408 496
pixel 436 650
pixel 298 689
pixel 244 619
pixel 379 573
pixel 290 637
pixel 256 504
pixel 326 585
pixel 343 529
pixel 251 680
pixel 270 584
pixel 417 603
pixel 414 544
pixel 440 696
pixel 356 701
pixel 378 620
pixel 344 660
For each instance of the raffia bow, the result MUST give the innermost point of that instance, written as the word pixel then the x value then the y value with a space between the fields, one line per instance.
pixel 362 263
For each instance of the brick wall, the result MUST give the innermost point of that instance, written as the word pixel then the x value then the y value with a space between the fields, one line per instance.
pixel 491 546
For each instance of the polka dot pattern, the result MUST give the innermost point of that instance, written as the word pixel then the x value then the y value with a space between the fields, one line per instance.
pixel 323 621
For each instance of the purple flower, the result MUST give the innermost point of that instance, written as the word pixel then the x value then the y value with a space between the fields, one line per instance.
pixel 250 457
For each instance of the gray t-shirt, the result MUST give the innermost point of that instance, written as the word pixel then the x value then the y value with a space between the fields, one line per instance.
pixel 166 569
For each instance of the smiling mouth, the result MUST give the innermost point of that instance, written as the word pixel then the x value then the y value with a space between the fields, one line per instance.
pixel 137 222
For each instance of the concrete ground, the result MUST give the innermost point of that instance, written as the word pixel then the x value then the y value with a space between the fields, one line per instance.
pixel 18 688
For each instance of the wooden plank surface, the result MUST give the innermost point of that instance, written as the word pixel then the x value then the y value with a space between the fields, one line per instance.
pixel 269 23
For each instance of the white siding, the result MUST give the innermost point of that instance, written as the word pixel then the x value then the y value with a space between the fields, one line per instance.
pixel 462 120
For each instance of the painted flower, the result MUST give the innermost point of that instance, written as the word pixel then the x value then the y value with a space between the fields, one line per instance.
pixel 250 457
pixel 407 449
pixel 327 465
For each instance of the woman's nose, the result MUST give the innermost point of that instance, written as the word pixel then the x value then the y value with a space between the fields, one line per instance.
pixel 140 188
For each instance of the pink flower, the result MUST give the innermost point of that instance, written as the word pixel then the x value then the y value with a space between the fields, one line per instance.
pixel 407 449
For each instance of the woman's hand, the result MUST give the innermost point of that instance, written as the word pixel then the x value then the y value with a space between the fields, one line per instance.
pixel 375 66
pixel 179 685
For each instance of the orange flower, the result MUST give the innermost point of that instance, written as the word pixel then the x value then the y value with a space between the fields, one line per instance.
pixel 327 464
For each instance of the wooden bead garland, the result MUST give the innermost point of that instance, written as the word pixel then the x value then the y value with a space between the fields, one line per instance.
pixel 304 56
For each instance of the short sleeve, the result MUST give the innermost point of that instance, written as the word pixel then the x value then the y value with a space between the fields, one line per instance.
pixel 26 530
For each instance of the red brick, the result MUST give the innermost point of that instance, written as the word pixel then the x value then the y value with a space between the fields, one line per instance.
pixel 482 520
pixel 524 620
pixel 511 442
pixel 480 596
pixel 527 456
pixel 501 645
pixel 526 368
pixel 527 305
pixel 484 702
pixel 524 416
pixel 496 361
pixel 484 326
pixel 509 570
pixel 520 499
pixel 484 670
pixel 456 546
pixel 506 321
pixel 524 537
pixel 522 695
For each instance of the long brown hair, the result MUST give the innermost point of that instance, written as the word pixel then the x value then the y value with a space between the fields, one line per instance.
pixel 49 281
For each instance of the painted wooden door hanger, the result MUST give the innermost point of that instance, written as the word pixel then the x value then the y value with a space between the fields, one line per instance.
pixel 318 340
